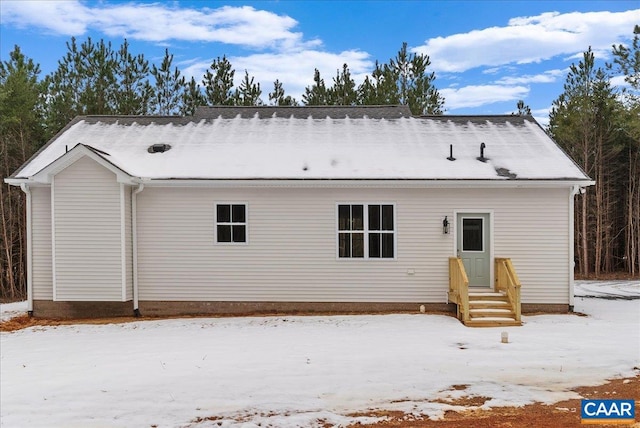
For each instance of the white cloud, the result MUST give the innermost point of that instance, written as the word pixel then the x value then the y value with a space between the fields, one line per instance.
pixel 541 111
pixel 159 22
pixel 492 70
pixel 541 115
pixel 619 81
pixel 597 53
pixel 478 95
pixel 549 76
pixel 67 18
pixel 530 39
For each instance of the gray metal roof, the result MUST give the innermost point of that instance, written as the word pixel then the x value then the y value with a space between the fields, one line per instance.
pixel 304 112
pixel 324 142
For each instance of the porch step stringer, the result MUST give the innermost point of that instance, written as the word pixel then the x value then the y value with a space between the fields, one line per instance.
pixel 490 309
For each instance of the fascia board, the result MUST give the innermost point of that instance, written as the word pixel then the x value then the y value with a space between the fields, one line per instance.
pixel 28 181
pixel 321 183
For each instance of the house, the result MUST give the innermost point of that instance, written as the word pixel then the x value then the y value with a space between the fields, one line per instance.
pixel 265 209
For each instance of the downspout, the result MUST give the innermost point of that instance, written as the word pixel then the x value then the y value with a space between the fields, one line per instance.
pixel 134 244
pixel 572 195
pixel 27 191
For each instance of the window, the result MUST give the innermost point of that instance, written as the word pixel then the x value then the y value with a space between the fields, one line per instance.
pixel 366 231
pixel 472 234
pixel 381 231
pixel 231 223
pixel 351 230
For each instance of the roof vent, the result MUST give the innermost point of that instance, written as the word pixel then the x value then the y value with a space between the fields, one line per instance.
pixel 451 158
pixel 482 158
pixel 158 148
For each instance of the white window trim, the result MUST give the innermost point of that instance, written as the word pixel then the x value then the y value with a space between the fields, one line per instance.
pixel 216 223
pixel 366 232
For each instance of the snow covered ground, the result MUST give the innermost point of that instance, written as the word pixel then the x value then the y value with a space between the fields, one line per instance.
pixel 11 310
pixel 297 371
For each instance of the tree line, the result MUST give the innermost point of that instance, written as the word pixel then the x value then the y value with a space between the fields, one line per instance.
pixel 599 126
pixel 95 78
pixel 595 122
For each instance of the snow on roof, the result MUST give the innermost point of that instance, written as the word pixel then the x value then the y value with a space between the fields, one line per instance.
pixel 320 143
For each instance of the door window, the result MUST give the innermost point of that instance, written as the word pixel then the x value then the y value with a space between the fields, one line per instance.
pixel 472 234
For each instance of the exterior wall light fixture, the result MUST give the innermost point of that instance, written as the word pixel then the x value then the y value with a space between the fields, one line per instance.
pixel 445 226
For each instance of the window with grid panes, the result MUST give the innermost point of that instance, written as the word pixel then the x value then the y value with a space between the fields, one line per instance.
pixel 366 231
pixel 231 223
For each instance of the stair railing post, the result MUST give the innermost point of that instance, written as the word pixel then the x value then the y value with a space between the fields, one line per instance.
pixel 459 288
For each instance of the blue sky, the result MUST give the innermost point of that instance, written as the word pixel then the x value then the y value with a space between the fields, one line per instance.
pixel 486 54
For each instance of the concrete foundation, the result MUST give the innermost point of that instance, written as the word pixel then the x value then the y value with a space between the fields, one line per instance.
pixel 156 308
pixel 49 309
pixel 547 308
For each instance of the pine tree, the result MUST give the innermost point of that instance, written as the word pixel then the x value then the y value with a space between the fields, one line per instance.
pixel 84 83
pixel 415 84
pixel 278 97
pixel 582 121
pixel 422 96
pixel 169 86
pixel 366 92
pixel 248 93
pixel 192 98
pixel 20 108
pixel 98 66
pixel 21 134
pixel 381 88
pixel 218 83
pixel 523 109
pixel 343 92
pixel 316 94
pixel 626 62
pixel 401 65
pixel 135 93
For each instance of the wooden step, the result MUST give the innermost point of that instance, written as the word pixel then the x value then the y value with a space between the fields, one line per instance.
pixel 498 304
pixel 490 309
pixel 492 322
pixel 486 295
pixel 491 312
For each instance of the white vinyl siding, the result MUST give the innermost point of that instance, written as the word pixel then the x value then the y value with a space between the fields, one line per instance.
pixel 87 227
pixel 41 240
pixel 292 255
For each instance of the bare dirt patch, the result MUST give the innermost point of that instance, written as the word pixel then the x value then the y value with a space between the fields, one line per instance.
pixel 609 276
pixel 565 414
pixel 25 321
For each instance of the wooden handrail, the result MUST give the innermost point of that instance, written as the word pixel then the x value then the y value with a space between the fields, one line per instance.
pixel 507 280
pixel 459 287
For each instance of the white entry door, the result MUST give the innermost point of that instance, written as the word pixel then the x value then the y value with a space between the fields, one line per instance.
pixel 473 246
